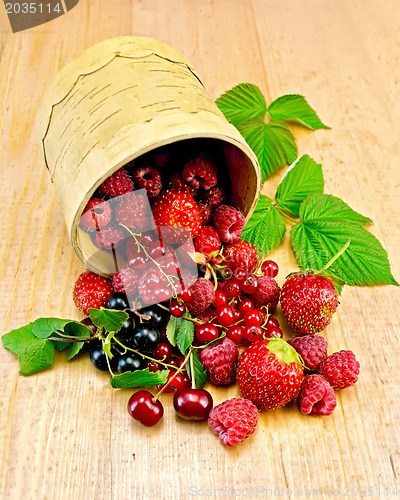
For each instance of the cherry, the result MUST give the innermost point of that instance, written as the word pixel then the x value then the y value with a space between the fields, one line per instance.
pixel 269 268
pixel 186 295
pixel 177 308
pixel 177 362
pixel 142 407
pixel 220 298
pixel 152 366
pixel 232 289
pixel 180 380
pixel 163 351
pixel 206 332
pixel 275 330
pixel 253 317
pixel 253 333
pixel 225 315
pixel 193 404
pixel 235 333
pixel 250 284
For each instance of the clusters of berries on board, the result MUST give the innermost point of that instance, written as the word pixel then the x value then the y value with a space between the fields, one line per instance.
pixel 231 304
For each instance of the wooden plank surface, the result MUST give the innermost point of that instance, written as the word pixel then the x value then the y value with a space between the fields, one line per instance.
pixel 65 433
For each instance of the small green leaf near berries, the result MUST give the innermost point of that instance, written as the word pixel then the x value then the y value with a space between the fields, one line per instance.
pixel 173 326
pixel 109 319
pixel 200 374
pixel 139 378
pixel 242 102
pixel 185 335
pixel 76 329
pixel 294 107
pixel 46 327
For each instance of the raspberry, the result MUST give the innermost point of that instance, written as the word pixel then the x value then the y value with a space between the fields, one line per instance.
pixel 91 291
pixel 317 397
pixel 153 286
pixel 203 296
pixel 132 211
pixel 161 158
pixel 240 255
pixel 97 214
pixel 313 349
pixel 126 280
pixel 148 178
pixel 233 420
pixel 109 237
pixel 117 184
pixel 214 197
pixel 267 293
pixel 206 214
pixel 229 223
pixel 176 182
pixel 220 362
pixel 340 369
pixel 207 315
pixel 207 241
pixel 200 172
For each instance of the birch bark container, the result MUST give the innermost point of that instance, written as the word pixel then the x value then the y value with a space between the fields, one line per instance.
pixel 118 100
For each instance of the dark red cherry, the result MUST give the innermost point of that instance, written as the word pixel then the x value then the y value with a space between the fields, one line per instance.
pixel 193 404
pixel 142 407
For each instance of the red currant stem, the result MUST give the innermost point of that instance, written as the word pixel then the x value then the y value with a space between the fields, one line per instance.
pixel 214 276
pixel 192 370
pixel 142 317
pixel 193 320
pixel 163 307
pixel 173 376
pixel 143 355
pixel 108 361
pixel 336 256
pixel 210 343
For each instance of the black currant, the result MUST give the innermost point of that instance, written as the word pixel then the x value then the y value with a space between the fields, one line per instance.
pixel 146 338
pixel 99 359
pixel 157 315
pixel 129 363
pixel 118 301
pixel 127 330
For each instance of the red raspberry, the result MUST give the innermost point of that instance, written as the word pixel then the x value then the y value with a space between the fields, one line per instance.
pixel 267 293
pixel 220 362
pixel 317 397
pixel 207 315
pixel 91 291
pixel 133 211
pixel 97 214
pixel 161 158
pixel 340 369
pixel 200 172
pixel 203 296
pixel 148 178
pixel 117 184
pixel 176 182
pixel 313 349
pixel 241 255
pixel 233 420
pixel 206 214
pixel 153 286
pixel 109 237
pixel 126 280
pixel 214 197
pixel 229 223
pixel 207 241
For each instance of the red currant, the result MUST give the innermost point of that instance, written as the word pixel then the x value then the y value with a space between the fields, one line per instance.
pixel 269 268
pixel 142 407
pixel 246 305
pixel 253 333
pixel 250 284
pixel 253 317
pixel 177 308
pixel 235 333
pixel 238 315
pixel 206 332
pixel 225 315
pixel 163 351
pixel 275 330
pixel 240 274
pixel 220 298
pixel 232 289
pixel 271 322
pixel 186 295
pixel 193 404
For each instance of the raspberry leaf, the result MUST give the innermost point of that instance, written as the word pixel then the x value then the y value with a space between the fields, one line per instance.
pixel 266 227
pixel 303 178
pixel 200 375
pixel 242 102
pixel 272 142
pixel 109 319
pixel 172 329
pixel 185 335
pixel 294 107
pixel 139 378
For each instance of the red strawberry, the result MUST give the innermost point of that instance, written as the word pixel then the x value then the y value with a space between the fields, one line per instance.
pixel 308 302
pixel 240 255
pixel 269 373
pixel 177 209
pixel 91 291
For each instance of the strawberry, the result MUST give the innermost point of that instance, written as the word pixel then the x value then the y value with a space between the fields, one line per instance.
pixel 177 209
pixel 308 302
pixel 269 373
pixel 91 291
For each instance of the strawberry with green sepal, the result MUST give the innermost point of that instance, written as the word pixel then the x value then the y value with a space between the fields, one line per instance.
pixel 270 373
pixel 91 291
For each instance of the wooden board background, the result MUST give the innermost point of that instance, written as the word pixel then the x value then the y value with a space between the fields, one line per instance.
pixel 65 433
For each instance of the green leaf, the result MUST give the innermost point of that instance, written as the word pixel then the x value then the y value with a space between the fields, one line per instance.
pixel 172 329
pixel 139 378
pixel 17 340
pixel 294 107
pixel 242 102
pixel 316 240
pixel 266 227
pixel 303 178
pixel 109 319
pixel 185 335
pixel 46 327
pixel 77 330
pixel 200 375
pixel 272 142
pixel 107 344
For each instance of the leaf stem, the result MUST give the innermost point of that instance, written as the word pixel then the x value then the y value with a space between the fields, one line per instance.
pixel 336 256
pixel 173 376
pixel 192 370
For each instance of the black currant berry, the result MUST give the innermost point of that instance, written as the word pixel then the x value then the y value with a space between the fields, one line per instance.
pixel 99 359
pixel 157 315
pixel 127 330
pixel 118 301
pixel 129 363
pixel 146 338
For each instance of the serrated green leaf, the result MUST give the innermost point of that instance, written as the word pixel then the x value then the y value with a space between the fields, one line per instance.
pixel 315 241
pixel 294 107
pixel 139 378
pixel 273 144
pixel 172 329
pixel 17 340
pixel 185 335
pixel 77 330
pixel 303 178
pixel 38 356
pixel 109 319
pixel 200 375
pixel 266 227
pixel 242 102
pixel 46 327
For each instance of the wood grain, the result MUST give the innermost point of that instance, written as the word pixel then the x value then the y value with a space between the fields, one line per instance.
pixel 65 433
